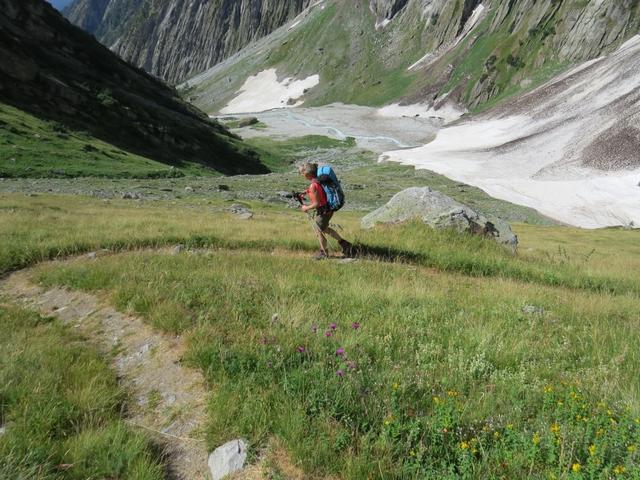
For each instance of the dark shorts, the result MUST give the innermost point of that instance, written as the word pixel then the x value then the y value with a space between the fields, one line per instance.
pixel 322 221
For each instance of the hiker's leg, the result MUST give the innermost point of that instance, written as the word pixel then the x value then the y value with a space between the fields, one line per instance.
pixel 335 235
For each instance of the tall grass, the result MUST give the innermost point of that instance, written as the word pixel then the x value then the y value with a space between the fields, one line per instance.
pixel 377 370
pixel 61 405
pixel 41 228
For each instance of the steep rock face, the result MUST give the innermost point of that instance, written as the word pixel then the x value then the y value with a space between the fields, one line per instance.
pixel 387 9
pixel 436 52
pixel 55 71
pixel 174 39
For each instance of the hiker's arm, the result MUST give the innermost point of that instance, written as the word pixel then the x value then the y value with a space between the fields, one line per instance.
pixel 313 197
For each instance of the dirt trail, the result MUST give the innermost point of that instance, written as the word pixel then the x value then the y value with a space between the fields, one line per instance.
pixel 167 398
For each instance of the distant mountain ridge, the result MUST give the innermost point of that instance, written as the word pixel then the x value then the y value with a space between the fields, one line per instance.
pixel 55 71
pixel 175 39
pixel 471 53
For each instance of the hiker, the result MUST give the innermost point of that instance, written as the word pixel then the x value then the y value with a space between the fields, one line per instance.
pixel 323 212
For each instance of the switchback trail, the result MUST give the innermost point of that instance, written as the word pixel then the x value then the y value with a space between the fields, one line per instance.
pixel 167 399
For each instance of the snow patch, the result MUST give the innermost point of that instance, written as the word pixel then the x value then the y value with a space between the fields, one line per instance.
pixel 540 154
pixel 447 112
pixel 263 92
pixel 382 23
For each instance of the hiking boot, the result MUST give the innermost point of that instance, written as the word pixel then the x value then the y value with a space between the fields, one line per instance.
pixel 320 256
pixel 347 248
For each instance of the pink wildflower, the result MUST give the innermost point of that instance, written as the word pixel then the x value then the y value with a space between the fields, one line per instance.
pixel 340 352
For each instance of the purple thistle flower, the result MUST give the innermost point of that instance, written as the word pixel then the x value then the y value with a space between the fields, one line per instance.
pixel 351 365
pixel 314 328
pixel 355 325
pixel 333 326
pixel 301 349
pixel 340 352
pixel 328 333
pixel 340 373
pixel 264 341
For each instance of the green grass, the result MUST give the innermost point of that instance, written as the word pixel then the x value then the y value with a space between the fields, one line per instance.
pixel 35 229
pixel 445 376
pixel 30 147
pixel 61 406
pixel 280 155
pixel 450 378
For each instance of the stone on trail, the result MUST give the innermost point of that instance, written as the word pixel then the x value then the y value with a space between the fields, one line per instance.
pixel 440 211
pixel 532 309
pixel 228 458
pixel 177 249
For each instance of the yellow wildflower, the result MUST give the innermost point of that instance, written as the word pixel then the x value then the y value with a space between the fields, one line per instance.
pixel 496 435
pixel 394 386
pixel 412 453
pixel 592 450
pixel 436 400
pixel 560 403
pixel 536 438
pixel 509 426
pixel 464 445
pixel 599 432
pixel 548 389
pixel 631 448
pixel 619 469
pixel 576 467
pixel 555 428
pixel 452 393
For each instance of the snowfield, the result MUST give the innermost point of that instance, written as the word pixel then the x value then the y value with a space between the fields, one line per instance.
pixel 264 91
pixel 570 148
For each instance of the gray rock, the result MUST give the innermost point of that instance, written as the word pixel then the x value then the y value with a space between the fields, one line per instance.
pixel 241 212
pixel 228 459
pixel 532 309
pixel 188 189
pixel 247 122
pixel 441 212
pixel 177 249
pixel 131 196
pixel 92 255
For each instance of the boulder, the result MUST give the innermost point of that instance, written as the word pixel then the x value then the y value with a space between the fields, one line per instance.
pixel 227 459
pixel 440 211
pixel 247 122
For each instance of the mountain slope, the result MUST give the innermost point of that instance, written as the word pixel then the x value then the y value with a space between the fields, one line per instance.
pixel 176 39
pixel 57 72
pixel 470 52
pixel 568 149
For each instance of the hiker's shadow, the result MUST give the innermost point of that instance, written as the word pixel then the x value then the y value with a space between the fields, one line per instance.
pixel 384 254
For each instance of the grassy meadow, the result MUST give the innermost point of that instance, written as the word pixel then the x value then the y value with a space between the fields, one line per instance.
pixel 434 355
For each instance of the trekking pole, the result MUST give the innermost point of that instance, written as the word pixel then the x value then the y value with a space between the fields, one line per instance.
pixel 299 197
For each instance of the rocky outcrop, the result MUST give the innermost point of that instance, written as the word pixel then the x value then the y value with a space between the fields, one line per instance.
pixel 175 39
pixel 441 212
pixel 55 71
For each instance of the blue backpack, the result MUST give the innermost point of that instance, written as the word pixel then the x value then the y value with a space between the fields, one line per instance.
pixel 332 188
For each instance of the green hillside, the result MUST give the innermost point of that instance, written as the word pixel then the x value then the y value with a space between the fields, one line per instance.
pixel 510 50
